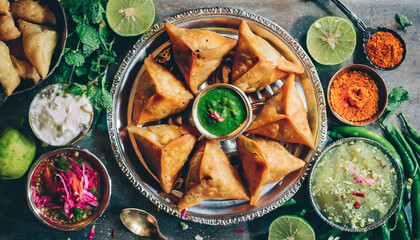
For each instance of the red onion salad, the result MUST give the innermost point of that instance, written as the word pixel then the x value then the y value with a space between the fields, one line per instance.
pixel 67 191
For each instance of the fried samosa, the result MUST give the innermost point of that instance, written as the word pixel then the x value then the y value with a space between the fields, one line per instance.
pixel 9 78
pixel 264 162
pixel 198 52
pixel 284 117
pixel 211 176
pixel 165 148
pixel 4 7
pixel 257 64
pixel 39 43
pixel 8 30
pixel 159 94
pixel 25 69
pixel 32 11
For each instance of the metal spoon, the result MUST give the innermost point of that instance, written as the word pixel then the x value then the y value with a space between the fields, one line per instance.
pixel 140 223
pixel 368 32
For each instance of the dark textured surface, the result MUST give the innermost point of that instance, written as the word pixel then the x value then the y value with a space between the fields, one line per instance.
pixel 295 16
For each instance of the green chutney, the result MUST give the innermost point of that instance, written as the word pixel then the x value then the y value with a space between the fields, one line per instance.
pixel 227 104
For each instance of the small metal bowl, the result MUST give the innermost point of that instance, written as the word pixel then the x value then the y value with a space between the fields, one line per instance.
pixel 368 34
pixel 104 191
pixel 391 210
pixel 237 131
pixel 383 94
pixel 31 118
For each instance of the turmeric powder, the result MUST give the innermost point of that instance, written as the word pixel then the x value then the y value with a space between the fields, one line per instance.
pixel 354 96
pixel 384 50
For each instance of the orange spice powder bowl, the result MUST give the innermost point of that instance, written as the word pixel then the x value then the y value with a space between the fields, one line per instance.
pixel 382 92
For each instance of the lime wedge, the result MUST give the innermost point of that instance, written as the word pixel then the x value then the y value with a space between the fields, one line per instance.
pixel 331 40
pixel 130 17
pixel 290 228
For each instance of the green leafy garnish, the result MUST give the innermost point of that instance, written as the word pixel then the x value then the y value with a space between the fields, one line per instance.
pixel 403 20
pixel 62 163
pixel 88 53
pixel 397 96
pixel 79 214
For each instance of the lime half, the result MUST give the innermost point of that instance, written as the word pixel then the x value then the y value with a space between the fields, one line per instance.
pixel 290 228
pixel 331 40
pixel 130 17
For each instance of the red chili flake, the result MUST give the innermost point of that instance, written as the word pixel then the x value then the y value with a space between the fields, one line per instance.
pixel 356 205
pixel 113 233
pixel 239 230
pixel 359 194
pixel 91 233
pixel 216 116
pixel 184 213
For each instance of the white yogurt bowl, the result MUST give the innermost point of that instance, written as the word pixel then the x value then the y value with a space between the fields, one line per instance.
pixel 59 118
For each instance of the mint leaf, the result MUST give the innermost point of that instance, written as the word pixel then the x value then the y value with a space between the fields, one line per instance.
pixel 74 58
pixel 101 99
pixel 108 57
pixel 94 11
pixel 87 50
pixel 88 35
pixel 80 71
pixel 76 89
pixel 71 3
pixel 403 20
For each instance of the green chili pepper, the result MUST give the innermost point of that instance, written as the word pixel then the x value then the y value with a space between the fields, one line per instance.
pixel 414 146
pixel 407 148
pixel 413 133
pixel 415 207
pixel 335 135
pixel 385 232
pixel 409 168
pixel 360 236
pixel 401 232
pixel 353 131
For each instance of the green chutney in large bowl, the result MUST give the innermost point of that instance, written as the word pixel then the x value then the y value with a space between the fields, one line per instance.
pixel 355 185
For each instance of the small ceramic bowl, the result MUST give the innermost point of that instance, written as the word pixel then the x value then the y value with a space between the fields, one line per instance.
pixel 236 132
pixel 383 94
pixel 37 118
pixel 392 208
pixel 37 172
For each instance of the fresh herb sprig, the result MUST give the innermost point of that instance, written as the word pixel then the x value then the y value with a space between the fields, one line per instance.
pixel 88 52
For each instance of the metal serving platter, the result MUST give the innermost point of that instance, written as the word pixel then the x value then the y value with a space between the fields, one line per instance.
pixel 224 21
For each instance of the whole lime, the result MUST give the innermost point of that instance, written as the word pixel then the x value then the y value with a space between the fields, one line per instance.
pixel 16 153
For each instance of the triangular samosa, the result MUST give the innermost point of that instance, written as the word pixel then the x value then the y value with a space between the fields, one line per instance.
pixel 198 52
pixel 25 69
pixel 39 43
pixel 4 7
pixel 284 117
pixel 165 148
pixel 211 176
pixel 9 78
pixel 159 94
pixel 8 30
pixel 32 11
pixel 264 162
pixel 257 64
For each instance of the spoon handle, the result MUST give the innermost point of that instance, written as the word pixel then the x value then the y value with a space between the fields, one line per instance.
pixel 356 20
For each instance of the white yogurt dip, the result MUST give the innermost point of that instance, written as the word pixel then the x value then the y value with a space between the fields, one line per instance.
pixel 57 118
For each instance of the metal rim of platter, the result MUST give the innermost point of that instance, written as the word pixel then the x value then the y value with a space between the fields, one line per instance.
pixel 115 124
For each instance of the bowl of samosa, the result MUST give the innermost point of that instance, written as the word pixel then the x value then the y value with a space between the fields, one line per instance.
pixel 32 40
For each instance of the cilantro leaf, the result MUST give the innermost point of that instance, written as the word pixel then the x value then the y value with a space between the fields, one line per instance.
pixel 403 20
pixel 397 96
pixel 74 58
pixel 88 35
pixel 108 57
